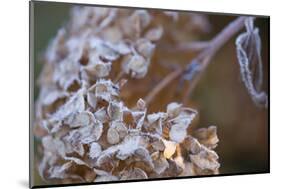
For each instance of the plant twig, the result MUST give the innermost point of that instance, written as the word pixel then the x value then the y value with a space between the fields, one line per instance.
pixel 215 44
pixel 193 46
pixel 167 80
pixel 203 58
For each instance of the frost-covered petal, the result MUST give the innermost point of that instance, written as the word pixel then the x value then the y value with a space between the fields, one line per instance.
pixel 205 159
pixel 115 110
pixel 135 173
pixel 154 34
pixel 95 150
pixel 135 65
pixel 173 109
pixel 98 69
pixel 112 136
pixel 105 89
pixel 74 105
pixel 84 118
pixel 178 132
pixel 145 47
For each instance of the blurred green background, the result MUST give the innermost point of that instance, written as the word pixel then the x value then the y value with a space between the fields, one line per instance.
pixel 220 95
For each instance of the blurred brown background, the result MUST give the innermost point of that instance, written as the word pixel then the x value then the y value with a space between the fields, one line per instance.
pixel 220 97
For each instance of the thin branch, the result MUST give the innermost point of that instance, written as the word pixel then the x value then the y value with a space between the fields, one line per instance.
pixel 165 82
pixel 215 44
pixel 203 58
pixel 193 46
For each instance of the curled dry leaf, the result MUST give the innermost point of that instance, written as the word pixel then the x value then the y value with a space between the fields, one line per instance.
pixel 248 46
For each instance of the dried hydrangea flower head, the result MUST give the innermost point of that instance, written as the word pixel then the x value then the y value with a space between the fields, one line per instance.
pixel 88 133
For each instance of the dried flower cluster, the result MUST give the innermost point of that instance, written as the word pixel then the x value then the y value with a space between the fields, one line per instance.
pixel 88 133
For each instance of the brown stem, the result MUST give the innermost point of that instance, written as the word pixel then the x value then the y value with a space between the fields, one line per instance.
pixel 224 36
pixel 215 44
pixel 167 80
pixel 193 46
pixel 204 58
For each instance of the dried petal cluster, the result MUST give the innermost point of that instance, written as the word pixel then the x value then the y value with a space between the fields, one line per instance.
pixel 88 133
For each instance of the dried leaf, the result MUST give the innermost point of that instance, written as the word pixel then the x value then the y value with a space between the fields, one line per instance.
pixel 248 46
